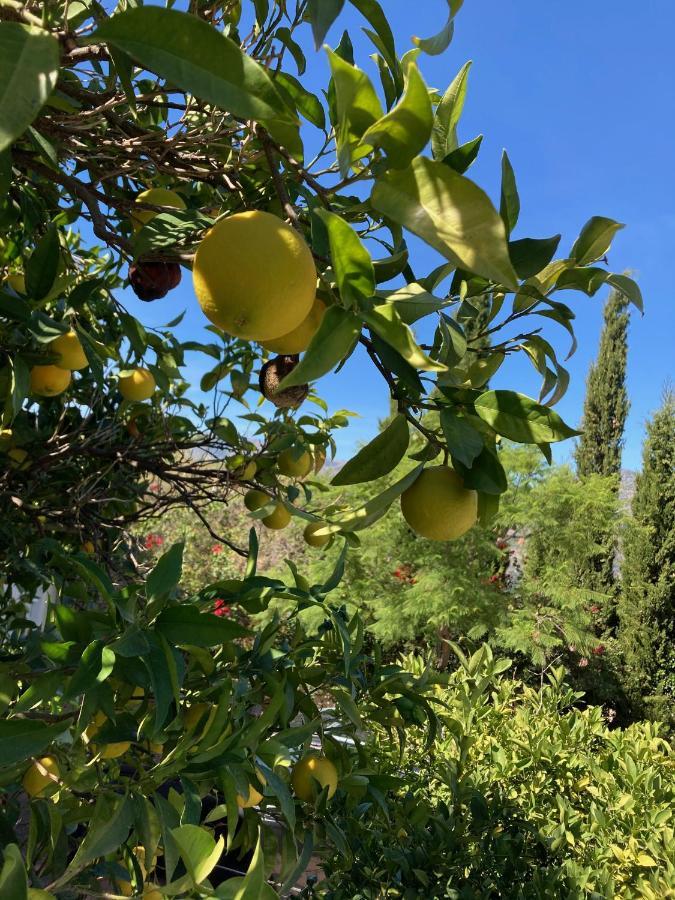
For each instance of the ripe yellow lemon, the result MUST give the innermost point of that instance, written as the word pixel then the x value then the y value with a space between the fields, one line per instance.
pixel 438 506
pixel 254 500
pixel 6 438
pixel 314 539
pixel 88 547
pixel 298 340
pixel 254 276
pixel 112 751
pixel 279 518
pixel 139 385
pixel 70 352
pixel 36 779
pixel 49 381
pixel 254 796
pixel 158 197
pixel 310 769
pixel 295 465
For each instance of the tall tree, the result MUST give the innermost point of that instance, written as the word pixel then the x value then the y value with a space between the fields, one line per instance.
pixel 606 405
pixel 647 603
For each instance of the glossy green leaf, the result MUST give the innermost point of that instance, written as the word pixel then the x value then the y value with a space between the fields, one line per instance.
pixel 335 338
pixel 29 66
pixel 22 738
pixel 629 288
pixel 306 103
pixel 185 624
pixel 450 213
pixel 194 56
pixel 509 204
pixel 440 42
pixel 486 475
pixel 43 265
pixel 13 878
pixel 379 457
pixel 394 362
pixel 108 828
pixel 368 513
pixel 382 37
pixel 387 323
pixel 595 240
pixel 95 666
pixel 461 158
pixel 167 572
pixel 357 107
pixel 530 255
pixel 390 266
pixel 198 849
pixel 448 112
pixel 521 419
pixel 464 442
pixel 284 35
pixel 481 370
pixel 404 131
pixel 588 279
pixel 322 14
pixel 412 302
pixel 352 264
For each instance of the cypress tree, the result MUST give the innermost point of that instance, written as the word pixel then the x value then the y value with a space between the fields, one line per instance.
pixel 647 602
pixel 606 405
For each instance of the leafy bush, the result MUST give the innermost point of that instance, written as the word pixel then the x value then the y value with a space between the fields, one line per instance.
pixel 521 794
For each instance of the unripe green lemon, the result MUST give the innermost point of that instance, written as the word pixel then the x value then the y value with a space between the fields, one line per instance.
pixel 313 539
pixel 254 276
pixel 49 381
pixel 158 197
pixel 277 519
pixel 310 769
pixel 438 506
pixel 294 465
pixel 70 352
pixel 298 340
pixel 254 500
pixel 139 385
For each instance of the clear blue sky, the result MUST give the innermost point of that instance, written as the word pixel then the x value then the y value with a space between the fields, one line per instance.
pixel 581 95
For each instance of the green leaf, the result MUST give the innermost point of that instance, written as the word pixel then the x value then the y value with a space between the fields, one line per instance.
pixel 20 383
pixel 22 738
pixel 440 42
pixel 379 457
pixel 404 131
pixel 464 442
pixel 192 55
pixel 307 104
pixel 448 112
pixel 530 255
pixel 42 267
pixel 509 204
pixel 387 323
pixel 185 624
pixel 337 334
pixel 390 266
pixel 486 475
pixel 108 829
pixel 357 107
pixel 628 288
pixel 167 573
pixel 284 35
pixel 595 240
pixel 383 37
pixel 368 513
pixel 521 419
pixel 461 158
pixel 352 264
pixel 95 666
pixel 29 66
pixel 13 878
pixel 450 213
pixel 200 852
pixel 412 302
pixel 322 14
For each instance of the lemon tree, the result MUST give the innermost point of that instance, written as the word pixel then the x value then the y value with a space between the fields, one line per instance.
pixel 144 147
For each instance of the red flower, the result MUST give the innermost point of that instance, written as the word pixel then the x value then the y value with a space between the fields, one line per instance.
pixel 152 541
pixel 216 549
pixel 599 650
pixel 221 608
pixel 595 609
pixel 583 662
